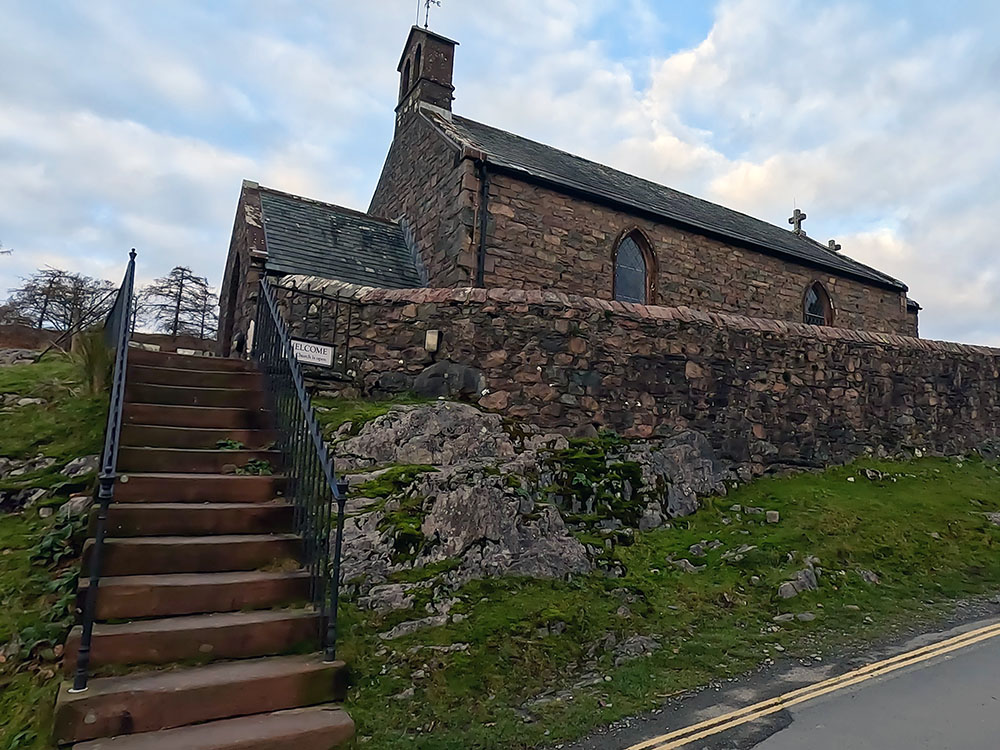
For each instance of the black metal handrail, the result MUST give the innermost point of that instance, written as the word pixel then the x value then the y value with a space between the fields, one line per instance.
pixel 310 482
pixel 320 318
pixel 116 334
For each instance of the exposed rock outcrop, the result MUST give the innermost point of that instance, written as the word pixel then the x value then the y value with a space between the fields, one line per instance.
pixel 502 500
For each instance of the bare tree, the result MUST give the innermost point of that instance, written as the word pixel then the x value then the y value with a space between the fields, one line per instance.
pixel 206 311
pixel 10 315
pixel 54 298
pixel 181 303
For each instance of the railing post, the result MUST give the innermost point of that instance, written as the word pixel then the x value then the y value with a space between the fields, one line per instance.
pixel 331 622
pixel 104 495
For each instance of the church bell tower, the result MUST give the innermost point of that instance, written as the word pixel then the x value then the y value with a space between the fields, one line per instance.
pixel 425 71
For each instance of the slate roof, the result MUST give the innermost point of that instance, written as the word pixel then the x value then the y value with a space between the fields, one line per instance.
pixel 304 236
pixel 549 164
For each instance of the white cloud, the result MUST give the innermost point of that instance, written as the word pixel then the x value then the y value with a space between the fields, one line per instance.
pixel 134 123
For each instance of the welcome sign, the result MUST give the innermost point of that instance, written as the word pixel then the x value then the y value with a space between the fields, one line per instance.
pixel 311 353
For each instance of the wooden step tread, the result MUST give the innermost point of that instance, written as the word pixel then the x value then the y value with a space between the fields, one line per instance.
pixel 277 502
pixel 155 700
pixel 200 451
pixel 160 541
pixel 186 361
pixel 201 622
pixel 316 728
pixel 244 417
pixel 197 430
pixel 222 673
pixel 212 637
pixel 193 476
pixel 183 487
pixel 132 520
pixel 166 370
pixel 139 435
pixel 198 579
pixel 199 461
pixel 215 553
pixel 175 594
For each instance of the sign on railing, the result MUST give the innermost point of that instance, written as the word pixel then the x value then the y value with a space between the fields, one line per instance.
pixel 312 353
pixel 319 326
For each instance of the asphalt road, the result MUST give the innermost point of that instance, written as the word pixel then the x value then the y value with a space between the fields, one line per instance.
pixel 947 703
pixel 920 691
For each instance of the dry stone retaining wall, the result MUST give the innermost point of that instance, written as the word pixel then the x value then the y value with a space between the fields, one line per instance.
pixel 764 392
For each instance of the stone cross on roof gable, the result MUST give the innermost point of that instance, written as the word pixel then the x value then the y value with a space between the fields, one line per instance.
pixel 834 245
pixel 796 221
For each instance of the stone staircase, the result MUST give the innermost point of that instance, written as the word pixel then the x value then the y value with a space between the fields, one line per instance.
pixel 204 637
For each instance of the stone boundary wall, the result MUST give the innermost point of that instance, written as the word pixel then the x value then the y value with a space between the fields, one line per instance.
pixel 765 392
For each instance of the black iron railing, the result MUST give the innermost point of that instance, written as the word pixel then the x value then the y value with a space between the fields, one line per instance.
pixel 310 483
pixel 117 328
pixel 320 318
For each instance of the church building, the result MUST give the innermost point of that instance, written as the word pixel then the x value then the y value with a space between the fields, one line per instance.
pixel 463 204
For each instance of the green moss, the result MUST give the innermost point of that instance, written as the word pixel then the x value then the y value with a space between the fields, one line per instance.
pixel 256 467
pixel 334 412
pixel 404 521
pixel 424 573
pixel 921 529
pixel 392 481
pixel 590 478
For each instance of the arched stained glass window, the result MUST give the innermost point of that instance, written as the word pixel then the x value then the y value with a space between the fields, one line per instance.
pixel 818 308
pixel 631 284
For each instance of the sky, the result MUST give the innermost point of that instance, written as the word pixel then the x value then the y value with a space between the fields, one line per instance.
pixel 131 123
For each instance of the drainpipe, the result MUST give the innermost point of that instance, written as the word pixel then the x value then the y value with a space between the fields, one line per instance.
pixel 484 202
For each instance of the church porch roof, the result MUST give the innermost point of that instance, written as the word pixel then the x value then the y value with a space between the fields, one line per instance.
pixel 304 236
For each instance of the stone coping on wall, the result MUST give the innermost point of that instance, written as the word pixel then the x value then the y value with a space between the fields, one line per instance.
pixel 365 295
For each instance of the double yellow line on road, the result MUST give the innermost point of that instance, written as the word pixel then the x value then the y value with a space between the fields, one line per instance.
pixel 723 723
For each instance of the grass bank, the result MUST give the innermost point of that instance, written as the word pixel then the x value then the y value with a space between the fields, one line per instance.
pixel 38 556
pixel 542 662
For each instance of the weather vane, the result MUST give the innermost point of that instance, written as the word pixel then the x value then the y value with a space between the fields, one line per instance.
pixel 427 11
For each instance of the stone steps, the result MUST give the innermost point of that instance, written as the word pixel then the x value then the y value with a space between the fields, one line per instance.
pixel 224 635
pixel 234 379
pixel 319 728
pixel 132 597
pixel 201 578
pixel 163 487
pixel 152 701
pixel 131 556
pixel 187 362
pixel 173 415
pixel 190 461
pixel 178 395
pixel 196 519
pixel 208 438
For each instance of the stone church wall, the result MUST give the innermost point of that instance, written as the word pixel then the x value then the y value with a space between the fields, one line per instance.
pixel 541 238
pixel 244 270
pixel 765 392
pixel 425 182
